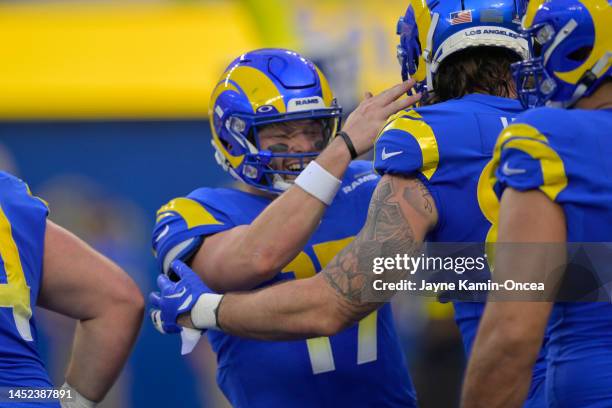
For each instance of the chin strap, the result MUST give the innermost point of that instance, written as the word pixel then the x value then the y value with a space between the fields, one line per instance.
pixel 590 76
pixel 280 183
pixel 428 53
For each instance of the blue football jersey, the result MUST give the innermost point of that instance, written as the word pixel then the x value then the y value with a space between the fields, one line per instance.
pixel 362 366
pixel 447 146
pixel 22 233
pixel 566 155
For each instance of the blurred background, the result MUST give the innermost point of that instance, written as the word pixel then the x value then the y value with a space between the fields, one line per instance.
pixel 103 111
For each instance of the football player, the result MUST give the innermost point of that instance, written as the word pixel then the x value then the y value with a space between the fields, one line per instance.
pixel 431 159
pixel 552 171
pixel 45 265
pixel 271 114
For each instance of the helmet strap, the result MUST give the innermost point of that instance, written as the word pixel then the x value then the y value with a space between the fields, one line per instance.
pixel 221 161
pixel 589 78
pixel 279 183
pixel 428 54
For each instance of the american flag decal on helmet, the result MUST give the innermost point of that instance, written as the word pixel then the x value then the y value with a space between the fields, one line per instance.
pixel 460 17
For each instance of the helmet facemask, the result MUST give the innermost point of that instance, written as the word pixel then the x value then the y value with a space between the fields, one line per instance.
pixel 568 56
pixel 268 87
pixel 266 163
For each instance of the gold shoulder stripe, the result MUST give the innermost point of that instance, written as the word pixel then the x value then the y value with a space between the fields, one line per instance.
pixel 411 122
pixel 519 130
pixel 529 140
pixel 190 210
pixel 391 118
pixel 553 170
pixel 487 199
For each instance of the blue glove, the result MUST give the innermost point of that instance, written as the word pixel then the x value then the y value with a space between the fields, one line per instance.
pixel 175 298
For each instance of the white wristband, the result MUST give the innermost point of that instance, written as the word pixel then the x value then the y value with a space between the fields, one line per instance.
pixel 204 312
pixel 318 182
pixel 76 399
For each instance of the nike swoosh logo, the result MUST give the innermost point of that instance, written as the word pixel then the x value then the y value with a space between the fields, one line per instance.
pixel 509 171
pixel 384 155
pixel 185 303
pixel 163 233
pixel 177 295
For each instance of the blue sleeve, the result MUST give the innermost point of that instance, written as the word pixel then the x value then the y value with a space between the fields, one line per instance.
pixel 525 160
pixel 518 170
pixel 183 222
pixel 358 185
pixel 14 192
pixel 406 146
pixel 360 177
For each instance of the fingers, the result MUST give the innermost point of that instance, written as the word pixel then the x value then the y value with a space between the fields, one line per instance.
pixel 395 92
pixel 401 104
pixel 156 320
pixel 163 283
pixel 368 95
pixel 155 299
pixel 180 268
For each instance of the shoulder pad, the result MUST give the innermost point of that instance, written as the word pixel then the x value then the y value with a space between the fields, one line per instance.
pixel 182 223
pixel 406 145
pixel 524 160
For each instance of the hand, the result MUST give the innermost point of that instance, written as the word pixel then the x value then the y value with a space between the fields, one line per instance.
pixel 366 121
pixel 175 298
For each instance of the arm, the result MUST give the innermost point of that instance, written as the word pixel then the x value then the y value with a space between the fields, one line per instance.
pixel 510 333
pixel 401 213
pixel 247 255
pixel 80 283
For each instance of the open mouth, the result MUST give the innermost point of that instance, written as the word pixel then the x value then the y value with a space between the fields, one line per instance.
pixel 298 166
pixel 295 167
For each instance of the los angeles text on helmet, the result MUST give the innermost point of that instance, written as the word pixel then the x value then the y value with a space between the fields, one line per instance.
pixel 497 31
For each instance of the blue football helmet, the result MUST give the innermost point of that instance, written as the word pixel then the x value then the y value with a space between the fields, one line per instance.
pixel 570 51
pixel 431 30
pixel 259 88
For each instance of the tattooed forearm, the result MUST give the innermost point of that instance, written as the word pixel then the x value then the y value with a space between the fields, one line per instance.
pixel 400 214
pixel 419 197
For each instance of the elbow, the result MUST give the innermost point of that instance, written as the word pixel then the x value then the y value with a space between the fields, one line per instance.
pixel 514 335
pixel 133 300
pixel 266 265
pixel 127 299
pixel 515 345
